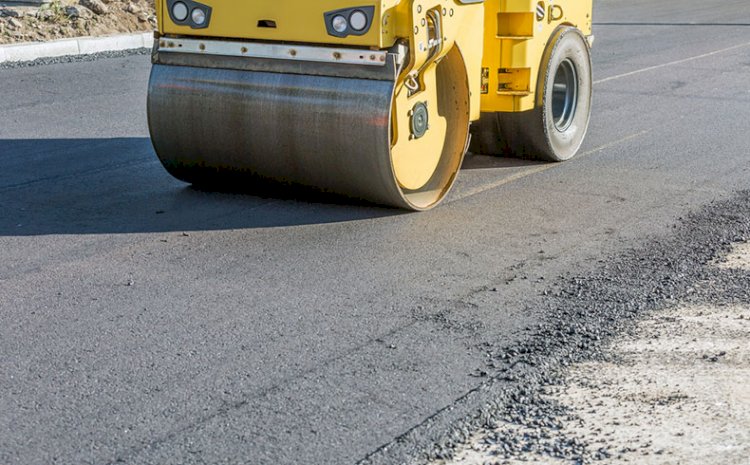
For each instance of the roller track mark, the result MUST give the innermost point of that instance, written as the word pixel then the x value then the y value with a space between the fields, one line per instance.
pixel 539 169
pixel 244 400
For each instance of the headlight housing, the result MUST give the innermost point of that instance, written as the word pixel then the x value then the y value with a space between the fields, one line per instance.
pixel 349 21
pixel 189 13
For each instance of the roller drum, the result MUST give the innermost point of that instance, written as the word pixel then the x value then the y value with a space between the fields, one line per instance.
pixel 332 133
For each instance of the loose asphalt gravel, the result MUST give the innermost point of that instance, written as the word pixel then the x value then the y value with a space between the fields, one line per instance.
pixel 583 313
pixel 144 321
pixel 74 58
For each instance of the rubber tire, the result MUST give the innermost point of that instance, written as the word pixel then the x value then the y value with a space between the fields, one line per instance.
pixel 532 134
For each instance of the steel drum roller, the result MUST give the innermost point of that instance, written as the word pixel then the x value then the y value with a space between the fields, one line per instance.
pixel 332 133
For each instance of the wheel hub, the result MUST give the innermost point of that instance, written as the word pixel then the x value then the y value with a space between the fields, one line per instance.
pixel 564 95
pixel 420 120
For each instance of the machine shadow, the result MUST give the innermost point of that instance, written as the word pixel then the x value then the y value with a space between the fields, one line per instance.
pixel 475 161
pixel 117 185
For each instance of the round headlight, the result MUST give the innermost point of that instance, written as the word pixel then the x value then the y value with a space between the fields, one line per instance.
pixel 358 20
pixel 339 23
pixel 198 16
pixel 179 11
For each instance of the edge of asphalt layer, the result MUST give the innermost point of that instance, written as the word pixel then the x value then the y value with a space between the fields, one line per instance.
pixel 581 316
pixel 30 51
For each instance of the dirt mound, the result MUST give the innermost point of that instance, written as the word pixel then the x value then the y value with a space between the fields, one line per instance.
pixel 58 19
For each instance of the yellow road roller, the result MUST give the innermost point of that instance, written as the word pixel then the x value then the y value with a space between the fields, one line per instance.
pixel 369 99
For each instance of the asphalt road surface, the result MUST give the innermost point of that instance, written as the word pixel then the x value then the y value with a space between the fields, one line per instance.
pixel 145 321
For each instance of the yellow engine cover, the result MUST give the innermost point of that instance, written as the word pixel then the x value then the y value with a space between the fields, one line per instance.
pixel 294 20
pixel 303 21
pixel 501 41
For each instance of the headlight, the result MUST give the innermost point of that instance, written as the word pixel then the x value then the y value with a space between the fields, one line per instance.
pixel 180 11
pixel 189 13
pixel 339 23
pixel 198 16
pixel 358 20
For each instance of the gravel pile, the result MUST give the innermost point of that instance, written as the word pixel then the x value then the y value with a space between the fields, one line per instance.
pixel 583 314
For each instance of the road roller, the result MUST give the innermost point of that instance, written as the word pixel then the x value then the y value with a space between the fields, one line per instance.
pixel 374 100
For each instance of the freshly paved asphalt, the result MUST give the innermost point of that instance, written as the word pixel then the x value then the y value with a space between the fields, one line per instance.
pixel 144 321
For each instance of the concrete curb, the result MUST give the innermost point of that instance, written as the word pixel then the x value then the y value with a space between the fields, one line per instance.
pixel 78 46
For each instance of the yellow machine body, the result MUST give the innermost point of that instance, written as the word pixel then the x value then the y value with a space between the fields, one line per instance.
pixel 516 35
pixel 462 58
pixel 507 37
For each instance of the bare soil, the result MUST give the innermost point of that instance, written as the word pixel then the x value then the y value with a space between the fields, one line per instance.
pixel 71 18
pixel 672 391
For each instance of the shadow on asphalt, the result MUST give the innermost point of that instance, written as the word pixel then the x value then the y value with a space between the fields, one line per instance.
pixel 474 161
pixel 103 186
pixel 117 185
